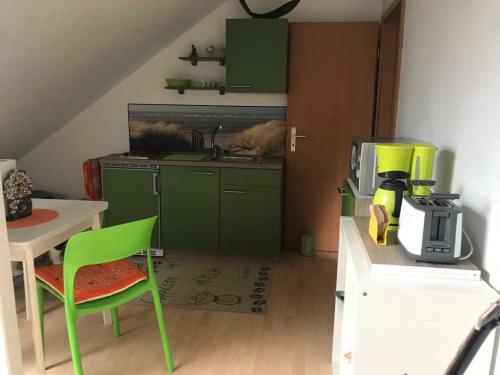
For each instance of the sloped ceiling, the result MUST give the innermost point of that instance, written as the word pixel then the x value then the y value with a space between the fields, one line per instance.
pixel 59 56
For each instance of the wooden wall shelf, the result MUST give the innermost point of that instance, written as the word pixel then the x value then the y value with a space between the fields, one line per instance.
pixel 181 90
pixel 194 60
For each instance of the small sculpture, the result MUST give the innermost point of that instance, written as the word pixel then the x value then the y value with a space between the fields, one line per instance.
pixel 210 49
pixel 17 191
pixel 194 54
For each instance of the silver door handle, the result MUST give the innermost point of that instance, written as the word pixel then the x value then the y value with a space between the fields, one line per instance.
pixel 240 86
pixel 293 138
pixel 155 183
pixel 341 191
pixel 235 191
pixel 204 173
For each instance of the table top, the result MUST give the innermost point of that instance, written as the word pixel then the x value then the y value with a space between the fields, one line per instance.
pixel 392 260
pixel 71 212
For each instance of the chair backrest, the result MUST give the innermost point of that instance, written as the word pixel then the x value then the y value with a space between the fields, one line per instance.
pixel 105 245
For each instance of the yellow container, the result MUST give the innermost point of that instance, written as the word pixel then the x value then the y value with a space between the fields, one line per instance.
pixel 387 198
pixel 394 157
pixel 422 166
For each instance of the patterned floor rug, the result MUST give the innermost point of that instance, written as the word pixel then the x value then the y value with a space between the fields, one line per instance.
pixel 210 285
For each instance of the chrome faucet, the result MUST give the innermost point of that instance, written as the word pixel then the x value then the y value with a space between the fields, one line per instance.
pixel 212 142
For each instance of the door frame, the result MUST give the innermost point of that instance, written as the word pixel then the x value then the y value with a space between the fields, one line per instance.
pixel 387 127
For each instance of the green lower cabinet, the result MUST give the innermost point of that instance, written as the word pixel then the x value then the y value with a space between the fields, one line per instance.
pixel 348 200
pixel 190 208
pixel 250 220
pixel 132 195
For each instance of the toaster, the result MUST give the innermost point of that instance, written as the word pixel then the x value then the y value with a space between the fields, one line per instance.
pixel 430 228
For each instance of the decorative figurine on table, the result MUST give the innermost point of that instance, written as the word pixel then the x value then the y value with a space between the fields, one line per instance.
pixel 194 54
pixel 17 189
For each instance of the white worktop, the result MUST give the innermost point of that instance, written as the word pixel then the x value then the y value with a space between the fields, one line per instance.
pixel 70 211
pixel 392 260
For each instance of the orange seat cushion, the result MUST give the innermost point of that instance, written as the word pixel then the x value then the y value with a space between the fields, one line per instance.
pixel 95 281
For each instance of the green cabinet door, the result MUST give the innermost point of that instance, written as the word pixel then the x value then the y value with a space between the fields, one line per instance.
pixel 190 208
pixel 250 220
pixel 348 199
pixel 132 194
pixel 256 55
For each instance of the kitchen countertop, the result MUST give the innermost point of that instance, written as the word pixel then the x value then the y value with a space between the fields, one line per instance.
pixel 121 160
pixel 391 261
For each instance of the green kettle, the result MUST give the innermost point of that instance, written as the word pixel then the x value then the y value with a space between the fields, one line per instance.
pixel 390 194
pixel 394 163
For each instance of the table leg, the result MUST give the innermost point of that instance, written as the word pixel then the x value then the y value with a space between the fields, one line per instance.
pixel 106 315
pixel 26 293
pixel 35 318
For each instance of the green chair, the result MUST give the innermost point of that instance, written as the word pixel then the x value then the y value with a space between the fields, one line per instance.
pixel 96 249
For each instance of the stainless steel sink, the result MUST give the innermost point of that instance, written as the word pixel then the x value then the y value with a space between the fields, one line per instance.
pixel 241 158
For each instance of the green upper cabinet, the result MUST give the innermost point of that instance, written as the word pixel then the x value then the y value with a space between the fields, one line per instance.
pixel 256 55
pixel 190 208
pixel 132 194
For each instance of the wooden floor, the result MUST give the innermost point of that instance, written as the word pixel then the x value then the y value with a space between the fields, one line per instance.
pixel 294 337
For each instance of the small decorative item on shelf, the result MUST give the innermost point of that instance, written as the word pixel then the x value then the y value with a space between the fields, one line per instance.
pixel 210 49
pixel 194 54
pixel 17 188
pixel 178 83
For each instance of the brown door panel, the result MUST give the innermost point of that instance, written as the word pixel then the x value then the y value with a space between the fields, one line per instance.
pixel 330 99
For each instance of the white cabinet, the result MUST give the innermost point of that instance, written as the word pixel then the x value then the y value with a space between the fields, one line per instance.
pixel 392 324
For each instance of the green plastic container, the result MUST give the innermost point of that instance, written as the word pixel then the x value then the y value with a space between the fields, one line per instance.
pixel 308 244
pixel 178 82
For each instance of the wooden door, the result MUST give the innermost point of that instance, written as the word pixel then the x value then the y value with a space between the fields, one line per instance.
pixel 391 44
pixel 332 74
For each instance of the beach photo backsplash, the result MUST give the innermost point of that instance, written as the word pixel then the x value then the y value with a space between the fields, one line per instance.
pixel 168 128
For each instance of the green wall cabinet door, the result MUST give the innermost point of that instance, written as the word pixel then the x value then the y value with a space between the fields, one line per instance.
pixel 256 55
pixel 250 217
pixel 132 194
pixel 190 208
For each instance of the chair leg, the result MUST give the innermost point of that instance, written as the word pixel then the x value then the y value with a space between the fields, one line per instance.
pixel 116 321
pixel 163 329
pixel 40 292
pixel 73 342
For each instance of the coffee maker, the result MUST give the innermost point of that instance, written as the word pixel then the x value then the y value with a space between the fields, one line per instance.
pixel 393 164
pixel 407 169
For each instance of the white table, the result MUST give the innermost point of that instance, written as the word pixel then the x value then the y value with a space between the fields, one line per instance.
pixel 30 242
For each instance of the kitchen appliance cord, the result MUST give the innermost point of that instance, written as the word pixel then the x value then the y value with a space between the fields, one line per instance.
pixel 471 246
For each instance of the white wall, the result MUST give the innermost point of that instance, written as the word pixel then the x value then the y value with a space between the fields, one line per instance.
pixel 59 56
pixel 10 348
pixel 387 4
pixel 55 164
pixel 450 96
